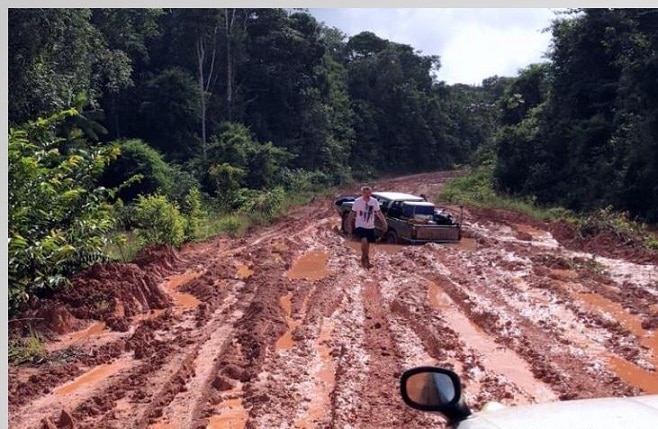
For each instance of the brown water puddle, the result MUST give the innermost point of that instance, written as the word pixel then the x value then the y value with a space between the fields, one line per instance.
pixel 325 380
pixel 596 302
pixel 311 266
pixel 243 271
pixel 174 282
pixel 183 300
pixel 95 329
pixel 494 356
pixel 628 371
pixel 633 374
pixel 286 342
pixel 96 374
pixel 232 416
pixel 98 331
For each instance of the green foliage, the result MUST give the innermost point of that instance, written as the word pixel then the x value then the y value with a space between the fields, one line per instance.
pixel 124 246
pixel 169 112
pixel 28 349
pixel 194 214
pixel 235 147
pixel 651 241
pixel 299 180
pixel 476 189
pixel 267 204
pixel 227 182
pixel 59 217
pixel 608 220
pixel 183 183
pixel 582 132
pixel 231 225
pixel 140 162
pixel 159 221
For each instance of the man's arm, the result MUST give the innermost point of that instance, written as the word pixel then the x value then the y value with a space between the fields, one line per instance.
pixel 382 218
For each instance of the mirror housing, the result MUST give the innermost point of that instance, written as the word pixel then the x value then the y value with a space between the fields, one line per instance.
pixel 434 389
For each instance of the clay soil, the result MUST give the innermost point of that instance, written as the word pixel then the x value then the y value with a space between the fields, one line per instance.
pixel 284 329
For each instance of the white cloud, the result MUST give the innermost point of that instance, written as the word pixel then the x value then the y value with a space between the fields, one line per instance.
pixel 473 43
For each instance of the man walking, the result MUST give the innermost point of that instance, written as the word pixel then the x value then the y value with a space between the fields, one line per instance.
pixel 365 208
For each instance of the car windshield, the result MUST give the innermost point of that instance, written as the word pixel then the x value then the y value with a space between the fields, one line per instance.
pixel 413 209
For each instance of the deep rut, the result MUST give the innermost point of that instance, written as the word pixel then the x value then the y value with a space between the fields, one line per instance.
pixel 284 329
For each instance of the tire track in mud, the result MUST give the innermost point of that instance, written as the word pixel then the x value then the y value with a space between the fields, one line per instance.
pixel 286 330
pixel 568 364
pixel 153 386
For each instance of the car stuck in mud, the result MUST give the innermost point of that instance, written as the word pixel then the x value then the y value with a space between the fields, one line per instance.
pixel 411 219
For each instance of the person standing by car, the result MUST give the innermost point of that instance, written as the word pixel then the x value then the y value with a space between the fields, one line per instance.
pixel 364 209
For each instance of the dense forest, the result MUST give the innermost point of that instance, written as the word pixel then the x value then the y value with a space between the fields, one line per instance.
pixel 581 130
pixel 155 120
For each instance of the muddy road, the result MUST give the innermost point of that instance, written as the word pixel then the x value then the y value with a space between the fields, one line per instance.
pixel 284 329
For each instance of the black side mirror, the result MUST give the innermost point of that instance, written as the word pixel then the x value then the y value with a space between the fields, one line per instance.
pixel 435 389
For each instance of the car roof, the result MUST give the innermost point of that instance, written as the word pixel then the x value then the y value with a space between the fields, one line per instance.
pixel 397 196
pixel 639 412
pixel 419 203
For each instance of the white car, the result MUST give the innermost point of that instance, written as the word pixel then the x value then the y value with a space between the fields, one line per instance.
pixel 439 390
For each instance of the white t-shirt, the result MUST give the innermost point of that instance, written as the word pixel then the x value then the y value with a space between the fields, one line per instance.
pixel 365 212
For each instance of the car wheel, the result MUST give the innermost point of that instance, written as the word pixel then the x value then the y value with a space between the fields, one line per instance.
pixel 391 237
pixel 344 223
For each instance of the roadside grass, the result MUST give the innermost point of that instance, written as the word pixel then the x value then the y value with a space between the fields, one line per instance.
pixel 27 349
pixel 476 189
pixel 125 245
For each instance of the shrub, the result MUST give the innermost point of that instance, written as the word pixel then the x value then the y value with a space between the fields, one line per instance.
pixel 59 218
pixel 267 204
pixel 194 214
pixel 27 349
pixel 159 221
pixel 140 162
pixel 232 225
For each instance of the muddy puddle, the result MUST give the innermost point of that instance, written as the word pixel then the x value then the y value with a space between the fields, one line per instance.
pixel 243 271
pixel 93 332
pixel 233 416
pixel 628 371
pixel 310 266
pixel 96 375
pixel 231 413
pixel 494 356
pixel 182 300
pixel 633 374
pixel 286 342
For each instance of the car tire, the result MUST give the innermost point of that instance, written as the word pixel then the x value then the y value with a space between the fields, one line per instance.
pixel 391 237
pixel 343 224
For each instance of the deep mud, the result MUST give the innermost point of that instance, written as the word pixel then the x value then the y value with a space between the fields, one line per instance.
pixel 284 329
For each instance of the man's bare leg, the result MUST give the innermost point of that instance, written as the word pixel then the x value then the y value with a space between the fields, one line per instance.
pixel 364 252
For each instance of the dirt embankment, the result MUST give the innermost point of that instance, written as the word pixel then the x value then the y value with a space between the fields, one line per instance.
pixel 283 328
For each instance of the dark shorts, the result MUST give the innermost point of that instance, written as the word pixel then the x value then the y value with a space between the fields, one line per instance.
pixel 362 233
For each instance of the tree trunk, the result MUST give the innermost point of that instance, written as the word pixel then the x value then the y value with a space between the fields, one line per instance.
pixel 229 63
pixel 200 54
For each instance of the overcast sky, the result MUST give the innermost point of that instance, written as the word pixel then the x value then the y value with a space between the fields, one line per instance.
pixel 473 43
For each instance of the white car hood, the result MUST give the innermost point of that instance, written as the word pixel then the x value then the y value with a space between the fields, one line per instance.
pixel 609 413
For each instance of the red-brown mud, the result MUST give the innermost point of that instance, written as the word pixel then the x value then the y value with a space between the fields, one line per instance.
pixel 283 328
